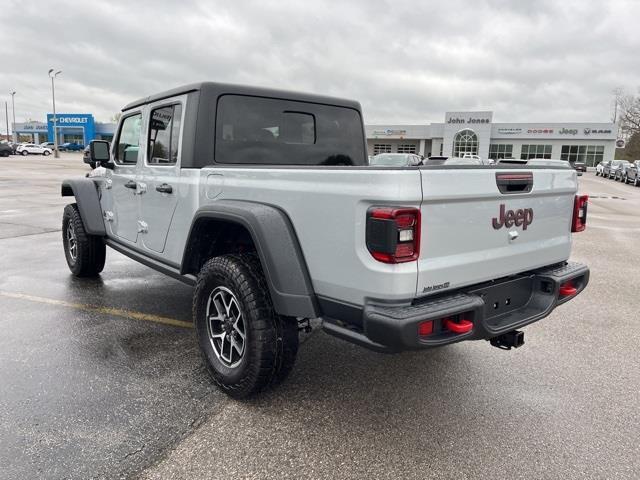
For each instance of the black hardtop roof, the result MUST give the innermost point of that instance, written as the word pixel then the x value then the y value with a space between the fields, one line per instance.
pixel 217 89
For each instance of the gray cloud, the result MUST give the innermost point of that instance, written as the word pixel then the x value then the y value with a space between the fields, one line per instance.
pixel 404 61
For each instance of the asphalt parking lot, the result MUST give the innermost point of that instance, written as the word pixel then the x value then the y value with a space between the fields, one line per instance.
pixel 102 378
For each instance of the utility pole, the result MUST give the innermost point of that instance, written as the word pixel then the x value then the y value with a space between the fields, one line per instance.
pixel 13 107
pixel 55 119
pixel 6 116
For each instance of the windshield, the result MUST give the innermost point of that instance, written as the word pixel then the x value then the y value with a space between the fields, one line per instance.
pixel 390 160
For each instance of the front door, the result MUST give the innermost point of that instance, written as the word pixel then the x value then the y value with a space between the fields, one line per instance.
pixel 125 189
pixel 161 173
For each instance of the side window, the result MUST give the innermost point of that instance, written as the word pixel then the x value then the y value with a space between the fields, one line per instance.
pixel 128 146
pixel 269 131
pixel 164 135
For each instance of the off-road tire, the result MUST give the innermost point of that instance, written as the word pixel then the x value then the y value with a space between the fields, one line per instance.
pixel 90 250
pixel 271 340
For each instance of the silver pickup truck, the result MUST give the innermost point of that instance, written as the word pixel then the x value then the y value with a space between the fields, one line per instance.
pixel 265 202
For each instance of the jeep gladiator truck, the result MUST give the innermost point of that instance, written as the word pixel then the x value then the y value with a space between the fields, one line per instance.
pixel 265 202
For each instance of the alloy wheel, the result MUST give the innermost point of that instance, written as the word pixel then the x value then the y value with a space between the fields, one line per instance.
pixel 72 242
pixel 226 327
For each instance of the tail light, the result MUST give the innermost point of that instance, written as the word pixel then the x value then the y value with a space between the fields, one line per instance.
pixel 579 222
pixel 393 234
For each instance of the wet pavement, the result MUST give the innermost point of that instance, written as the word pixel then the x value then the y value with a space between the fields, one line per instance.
pixel 90 388
pixel 99 382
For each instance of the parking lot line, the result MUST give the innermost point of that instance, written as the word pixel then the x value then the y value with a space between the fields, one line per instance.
pixel 117 312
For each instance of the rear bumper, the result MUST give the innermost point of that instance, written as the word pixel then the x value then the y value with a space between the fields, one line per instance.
pixel 493 308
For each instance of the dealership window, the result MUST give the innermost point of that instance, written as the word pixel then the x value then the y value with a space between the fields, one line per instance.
pixel 497 151
pixel 465 142
pixel 381 148
pixel 535 151
pixel 591 155
pixel 406 148
pixel 164 135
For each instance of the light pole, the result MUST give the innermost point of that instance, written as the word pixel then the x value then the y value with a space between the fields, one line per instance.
pixel 13 107
pixel 6 116
pixel 55 120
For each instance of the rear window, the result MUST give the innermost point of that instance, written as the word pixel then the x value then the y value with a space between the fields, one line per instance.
pixel 267 131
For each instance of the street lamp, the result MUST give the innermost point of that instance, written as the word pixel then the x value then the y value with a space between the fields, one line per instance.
pixel 55 120
pixel 13 106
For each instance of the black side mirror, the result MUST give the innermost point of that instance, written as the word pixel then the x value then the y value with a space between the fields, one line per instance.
pixel 99 153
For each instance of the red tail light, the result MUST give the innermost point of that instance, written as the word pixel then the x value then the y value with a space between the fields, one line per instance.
pixel 393 234
pixel 579 222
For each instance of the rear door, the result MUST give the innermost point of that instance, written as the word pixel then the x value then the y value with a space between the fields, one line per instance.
pixel 124 187
pixel 161 172
pixel 483 224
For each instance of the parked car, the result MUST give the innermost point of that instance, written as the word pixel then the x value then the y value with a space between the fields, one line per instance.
pixel 609 168
pixel 71 147
pixel 600 167
pixel 396 160
pixel 15 145
pixel 632 173
pixel 405 261
pixel 32 148
pixel 618 170
pixel 5 149
pixel 49 145
pixel 579 166
pixel 435 160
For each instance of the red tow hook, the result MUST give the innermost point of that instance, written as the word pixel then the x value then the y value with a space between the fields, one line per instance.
pixel 463 326
pixel 567 289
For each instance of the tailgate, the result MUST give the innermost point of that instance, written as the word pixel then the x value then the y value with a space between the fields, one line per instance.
pixel 483 224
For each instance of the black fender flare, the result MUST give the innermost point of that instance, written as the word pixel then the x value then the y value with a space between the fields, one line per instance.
pixel 278 248
pixel 88 201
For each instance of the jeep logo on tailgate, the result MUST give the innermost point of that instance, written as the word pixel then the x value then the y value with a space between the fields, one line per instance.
pixel 508 218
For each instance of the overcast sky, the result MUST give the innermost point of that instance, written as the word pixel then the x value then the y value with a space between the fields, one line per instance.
pixel 405 61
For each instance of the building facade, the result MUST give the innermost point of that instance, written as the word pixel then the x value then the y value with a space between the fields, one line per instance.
pixel 71 127
pixel 475 133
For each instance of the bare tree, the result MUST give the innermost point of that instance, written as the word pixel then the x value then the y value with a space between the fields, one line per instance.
pixel 618 94
pixel 630 115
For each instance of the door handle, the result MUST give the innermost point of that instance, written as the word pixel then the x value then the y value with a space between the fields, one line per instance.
pixel 131 184
pixel 164 188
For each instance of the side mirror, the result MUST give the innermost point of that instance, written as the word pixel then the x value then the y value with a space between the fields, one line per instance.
pixel 99 153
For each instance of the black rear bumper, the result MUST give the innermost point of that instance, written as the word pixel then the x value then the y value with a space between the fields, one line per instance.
pixel 494 308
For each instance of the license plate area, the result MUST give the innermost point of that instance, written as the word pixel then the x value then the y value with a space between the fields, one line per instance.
pixel 500 300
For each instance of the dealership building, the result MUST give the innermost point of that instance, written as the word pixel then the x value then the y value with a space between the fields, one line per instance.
pixel 475 133
pixel 72 127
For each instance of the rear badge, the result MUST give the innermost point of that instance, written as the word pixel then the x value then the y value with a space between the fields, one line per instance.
pixel 508 218
pixel 433 288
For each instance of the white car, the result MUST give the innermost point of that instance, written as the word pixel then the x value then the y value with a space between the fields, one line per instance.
pixel 28 148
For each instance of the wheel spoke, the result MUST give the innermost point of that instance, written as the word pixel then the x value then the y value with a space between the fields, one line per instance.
pixel 236 345
pixel 239 332
pixel 218 302
pixel 227 305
